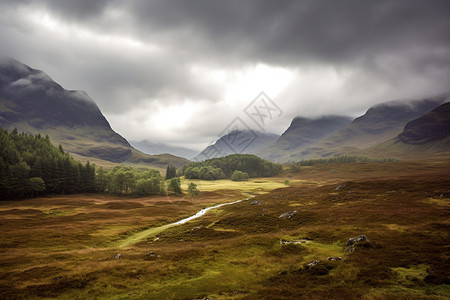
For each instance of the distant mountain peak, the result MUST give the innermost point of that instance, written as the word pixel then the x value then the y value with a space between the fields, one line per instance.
pixel 422 137
pixel 431 127
pixel 302 132
pixel 241 141
pixel 161 148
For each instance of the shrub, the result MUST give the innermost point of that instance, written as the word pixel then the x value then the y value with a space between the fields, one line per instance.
pixel 192 189
pixel 239 176
pixel 175 185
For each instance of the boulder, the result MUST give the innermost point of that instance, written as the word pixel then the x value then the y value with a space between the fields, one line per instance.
pixel 255 202
pixel 287 215
pixel 334 258
pixel 354 240
pixel 118 256
pixel 313 263
pixel 358 242
pixel 286 242
pixel 340 186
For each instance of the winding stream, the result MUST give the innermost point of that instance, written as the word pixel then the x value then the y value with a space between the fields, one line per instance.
pixel 135 238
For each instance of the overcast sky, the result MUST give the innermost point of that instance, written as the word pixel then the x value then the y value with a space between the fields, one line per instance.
pixel 179 72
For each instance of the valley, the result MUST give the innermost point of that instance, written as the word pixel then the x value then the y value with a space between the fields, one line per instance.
pixel 285 242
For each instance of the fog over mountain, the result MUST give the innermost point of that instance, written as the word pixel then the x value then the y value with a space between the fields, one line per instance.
pixel 333 136
pixel 431 127
pixel 237 141
pixel 178 72
pixel 158 148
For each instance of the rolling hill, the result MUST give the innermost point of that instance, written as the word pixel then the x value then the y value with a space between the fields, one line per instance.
pixel 160 148
pixel 301 133
pixel 379 124
pixel 237 142
pixel 424 136
pixel 429 128
pixel 33 103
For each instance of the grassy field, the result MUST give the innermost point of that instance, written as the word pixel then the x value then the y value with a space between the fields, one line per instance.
pixel 64 247
pixel 253 186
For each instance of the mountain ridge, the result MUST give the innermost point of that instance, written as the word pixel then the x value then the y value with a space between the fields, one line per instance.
pixel 161 148
pixel 433 126
pixel 33 103
pixel 427 135
pixel 379 124
pixel 237 142
pixel 302 132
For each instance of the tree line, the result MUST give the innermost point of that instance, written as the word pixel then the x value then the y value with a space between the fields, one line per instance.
pixel 343 159
pixel 30 165
pixel 123 180
pixel 224 167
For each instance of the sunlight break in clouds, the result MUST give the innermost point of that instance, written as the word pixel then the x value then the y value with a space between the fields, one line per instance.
pixel 241 86
pixel 170 123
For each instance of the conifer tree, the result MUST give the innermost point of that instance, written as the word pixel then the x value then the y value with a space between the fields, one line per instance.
pixel 171 172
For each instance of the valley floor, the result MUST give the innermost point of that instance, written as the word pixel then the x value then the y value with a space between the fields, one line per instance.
pixel 67 247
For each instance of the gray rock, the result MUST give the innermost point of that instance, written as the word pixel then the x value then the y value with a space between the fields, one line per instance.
pixel 287 215
pixel 255 202
pixel 313 263
pixel 285 242
pixel 118 256
pixel 334 258
pixel 196 227
pixel 340 186
pixel 354 240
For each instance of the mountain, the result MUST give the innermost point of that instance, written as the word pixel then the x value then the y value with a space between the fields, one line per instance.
pixel 159 148
pixel 380 123
pixel 429 128
pixel 301 133
pixel 32 102
pixel 426 135
pixel 237 141
pixel 383 121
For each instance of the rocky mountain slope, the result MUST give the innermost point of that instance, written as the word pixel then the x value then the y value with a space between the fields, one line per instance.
pixel 431 127
pixel 301 133
pixel 240 142
pixel 160 148
pixel 424 136
pixel 32 102
pixel 379 124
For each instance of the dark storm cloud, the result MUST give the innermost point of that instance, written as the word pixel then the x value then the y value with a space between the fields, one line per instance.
pixel 345 55
pixel 286 32
pixel 355 33
pixel 121 82
pixel 290 32
pixel 77 10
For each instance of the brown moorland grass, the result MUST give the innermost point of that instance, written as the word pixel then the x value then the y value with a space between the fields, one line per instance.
pixel 63 246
